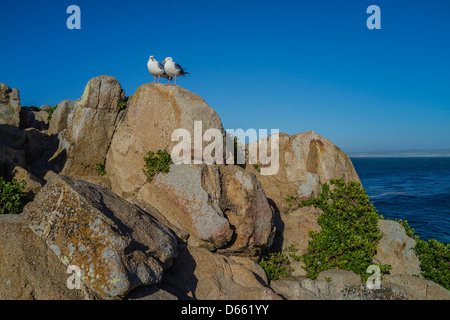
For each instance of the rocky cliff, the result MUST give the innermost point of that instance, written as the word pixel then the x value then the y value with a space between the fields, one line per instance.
pixel 195 232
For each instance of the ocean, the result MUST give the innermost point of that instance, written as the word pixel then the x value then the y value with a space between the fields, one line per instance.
pixel 412 189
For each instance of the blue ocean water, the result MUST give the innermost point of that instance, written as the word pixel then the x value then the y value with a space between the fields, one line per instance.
pixel 413 189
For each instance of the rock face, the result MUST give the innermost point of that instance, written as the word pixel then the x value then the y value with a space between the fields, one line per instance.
pixel 181 198
pixel 200 274
pixel 9 106
pixel 60 116
pixel 345 285
pixel 12 149
pixel 293 230
pixel 28 268
pixel 152 115
pixel 396 248
pixel 245 205
pixel 306 160
pixel 329 285
pixel 34 119
pixel 90 126
pixel 415 288
pixel 221 207
pixel 116 245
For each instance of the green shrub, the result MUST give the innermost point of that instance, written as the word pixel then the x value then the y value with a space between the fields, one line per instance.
pixel 434 257
pixel 155 163
pixel 50 112
pixel 123 105
pixel 100 169
pixel 275 265
pixel 34 108
pixel 12 199
pixel 290 200
pixel 349 233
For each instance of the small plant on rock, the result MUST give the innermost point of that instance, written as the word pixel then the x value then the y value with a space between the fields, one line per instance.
pixel 12 199
pixel 50 112
pixel 290 200
pixel 100 169
pixel 275 265
pixel 155 163
pixel 123 105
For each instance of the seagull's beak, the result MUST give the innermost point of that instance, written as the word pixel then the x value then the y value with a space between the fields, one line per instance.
pixel 164 61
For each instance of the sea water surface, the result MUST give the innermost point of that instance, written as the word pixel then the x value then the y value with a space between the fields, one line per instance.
pixel 412 189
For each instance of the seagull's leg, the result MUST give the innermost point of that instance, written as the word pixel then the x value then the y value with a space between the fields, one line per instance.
pixel 154 79
pixel 158 78
pixel 175 81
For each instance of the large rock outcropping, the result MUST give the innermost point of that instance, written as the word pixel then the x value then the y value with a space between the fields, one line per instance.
pixel 9 105
pixel 89 127
pixel 306 160
pixel 221 207
pixel 116 245
pixel 29 269
pixel 153 113
pixel 195 232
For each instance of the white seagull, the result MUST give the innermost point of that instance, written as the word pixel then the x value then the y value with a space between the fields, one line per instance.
pixel 156 69
pixel 173 69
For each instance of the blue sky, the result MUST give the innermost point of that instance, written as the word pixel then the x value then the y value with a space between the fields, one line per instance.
pixel 288 65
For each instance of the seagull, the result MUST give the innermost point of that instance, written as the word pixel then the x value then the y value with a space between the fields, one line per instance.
pixel 173 69
pixel 156 69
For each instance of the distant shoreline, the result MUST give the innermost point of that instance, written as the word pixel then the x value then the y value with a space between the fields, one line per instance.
pixel 397 156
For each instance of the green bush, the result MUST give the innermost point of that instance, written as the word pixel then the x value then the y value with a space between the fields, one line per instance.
pixel 275 265
pixel 12 199
pixel 434 257
pixel 100 169
pixel 290 200
pixel 349 233
pixel 50 112
pixel 155 163
pixel 123 105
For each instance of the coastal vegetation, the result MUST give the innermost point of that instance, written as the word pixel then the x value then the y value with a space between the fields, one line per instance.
pixel 101 171
pixel 276 264
pixel 349 233
pixel 12 199
pixel 50 112
pixel 155 163
pixel 434 257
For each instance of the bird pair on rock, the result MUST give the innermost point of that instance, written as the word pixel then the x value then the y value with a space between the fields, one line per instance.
pixel 170 70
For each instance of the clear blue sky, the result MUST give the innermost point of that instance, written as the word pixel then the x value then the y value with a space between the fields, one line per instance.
pixel 288 65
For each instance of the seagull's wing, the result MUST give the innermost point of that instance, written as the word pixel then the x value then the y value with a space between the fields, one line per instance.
pixel 160 65
pixel 179 68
